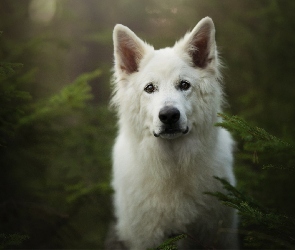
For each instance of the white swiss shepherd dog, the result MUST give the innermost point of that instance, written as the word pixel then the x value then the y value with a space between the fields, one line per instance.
pixel 168 149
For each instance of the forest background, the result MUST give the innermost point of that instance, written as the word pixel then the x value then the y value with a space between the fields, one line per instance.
pixel 56 130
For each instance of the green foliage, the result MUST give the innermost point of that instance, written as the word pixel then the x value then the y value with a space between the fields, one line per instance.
pixel 8 69
pixel 257 139
pixel 72 97
pixel 262 227
pixel 170 244
pixel 12 100
pixel 274 152
pixel 67 153
pixel 8 240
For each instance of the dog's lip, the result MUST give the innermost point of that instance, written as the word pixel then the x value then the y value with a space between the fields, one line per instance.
pixel 171 131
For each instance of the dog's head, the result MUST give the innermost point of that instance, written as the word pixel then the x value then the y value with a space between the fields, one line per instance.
pixel 168 92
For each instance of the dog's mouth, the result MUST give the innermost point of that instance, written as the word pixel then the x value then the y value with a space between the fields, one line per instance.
pixel 171 133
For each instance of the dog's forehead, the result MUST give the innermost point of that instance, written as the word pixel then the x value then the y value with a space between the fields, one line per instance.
pixel 164 62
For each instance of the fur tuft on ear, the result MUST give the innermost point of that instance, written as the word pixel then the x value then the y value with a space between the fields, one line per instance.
pixel 199 44
pixel 128 49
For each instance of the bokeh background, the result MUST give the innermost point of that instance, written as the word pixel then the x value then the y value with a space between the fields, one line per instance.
pixel 57 130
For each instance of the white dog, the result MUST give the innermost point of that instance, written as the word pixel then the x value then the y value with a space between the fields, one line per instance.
pixel 168 149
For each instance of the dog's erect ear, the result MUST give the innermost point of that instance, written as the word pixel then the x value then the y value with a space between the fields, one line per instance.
pixel 128 49
pixel 200 43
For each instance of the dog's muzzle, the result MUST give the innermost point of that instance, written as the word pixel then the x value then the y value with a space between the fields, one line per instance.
pixel 170 116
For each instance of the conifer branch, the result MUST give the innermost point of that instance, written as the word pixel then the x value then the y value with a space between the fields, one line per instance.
pixel 264 223
pixel 170 244
pixel 259 144
pixel 257 138
pixel 71 97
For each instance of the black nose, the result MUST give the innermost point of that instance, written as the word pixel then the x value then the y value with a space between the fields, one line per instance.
pixel 169 115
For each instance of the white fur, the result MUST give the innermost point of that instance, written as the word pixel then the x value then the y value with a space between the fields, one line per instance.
pixel 159 182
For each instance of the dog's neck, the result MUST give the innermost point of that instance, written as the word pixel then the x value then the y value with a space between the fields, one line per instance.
pixel 173 154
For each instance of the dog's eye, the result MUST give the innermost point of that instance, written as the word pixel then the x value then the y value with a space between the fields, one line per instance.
pixel 184 85
pixel 150 88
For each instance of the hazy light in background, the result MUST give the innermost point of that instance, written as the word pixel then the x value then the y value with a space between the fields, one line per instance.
pixel 42 11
